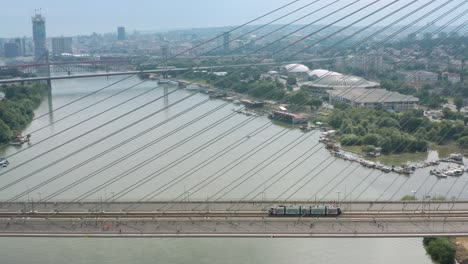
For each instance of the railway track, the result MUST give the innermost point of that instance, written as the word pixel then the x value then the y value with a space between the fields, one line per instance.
pixel 224 214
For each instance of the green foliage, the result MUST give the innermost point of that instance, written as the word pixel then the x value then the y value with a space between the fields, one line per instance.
pixel 17 109
pixel 440 249
pixel 315 102
pixel 350 140
pixel 408 198
pixel 463 142
pixel 458 101
pixel 438 198
pixel 5 132
pixel 298 98
pixel 450 115
pixel 392 132
pixel 13 73
pixel 291 81
pixel 371 139
pixel 409 131
pixel 341 106
pixel 368 148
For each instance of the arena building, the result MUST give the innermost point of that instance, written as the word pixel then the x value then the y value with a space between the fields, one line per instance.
pixel 298 71
pixel 324 80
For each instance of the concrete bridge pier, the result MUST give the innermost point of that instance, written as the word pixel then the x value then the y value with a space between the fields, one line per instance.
pixel 49 100
pixel 166 95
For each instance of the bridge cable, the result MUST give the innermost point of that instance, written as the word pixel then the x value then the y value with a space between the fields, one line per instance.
pixel 178 54
pixel 142 106
pixel 247 55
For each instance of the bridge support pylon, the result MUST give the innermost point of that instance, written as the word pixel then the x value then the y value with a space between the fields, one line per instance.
pixel 166 95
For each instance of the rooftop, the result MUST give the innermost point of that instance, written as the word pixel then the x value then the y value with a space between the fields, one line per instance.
pixel 361 95
pixel 335 80
pixel 295 68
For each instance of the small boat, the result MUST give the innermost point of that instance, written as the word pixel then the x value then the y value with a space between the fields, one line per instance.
pixel 306 128
pixel 20 140
pixel 4 162
pixel 385 169
pixel 454 172
pixel 457 157
pixel 192 87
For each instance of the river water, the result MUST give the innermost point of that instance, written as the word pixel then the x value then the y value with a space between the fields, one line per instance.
pixel 212 250
pixel 293 165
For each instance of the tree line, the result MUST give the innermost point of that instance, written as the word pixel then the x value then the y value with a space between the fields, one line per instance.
pixel 408 131
pixel 249 82
pixel 17 108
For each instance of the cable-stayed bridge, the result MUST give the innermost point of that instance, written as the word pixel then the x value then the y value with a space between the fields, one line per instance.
pixel 193 167
pixel 360 219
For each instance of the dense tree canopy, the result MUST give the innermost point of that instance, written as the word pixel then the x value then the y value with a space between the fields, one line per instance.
pixel 440 249
pixel 394 132
pixel 17 109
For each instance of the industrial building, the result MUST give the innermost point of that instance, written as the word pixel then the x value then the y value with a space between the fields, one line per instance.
pixel 374 99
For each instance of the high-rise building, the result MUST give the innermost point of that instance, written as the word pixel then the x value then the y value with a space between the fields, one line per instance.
pixel 12 50
pixel 21 45
pixel 39 37
pixel 226 41
pixel 120 33
pixel 61 45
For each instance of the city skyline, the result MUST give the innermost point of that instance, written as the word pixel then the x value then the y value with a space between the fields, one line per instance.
pixel 86 17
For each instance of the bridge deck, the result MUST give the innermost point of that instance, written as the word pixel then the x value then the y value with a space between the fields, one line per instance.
pixel 194 219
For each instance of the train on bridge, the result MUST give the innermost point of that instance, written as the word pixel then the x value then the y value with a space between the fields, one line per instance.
pixel 304 210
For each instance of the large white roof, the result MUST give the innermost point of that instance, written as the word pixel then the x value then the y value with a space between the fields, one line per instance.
pixel 320 72
pixel 341 81
pixel 296 68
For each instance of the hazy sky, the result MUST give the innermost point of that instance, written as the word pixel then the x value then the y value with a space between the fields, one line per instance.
pixel 70 18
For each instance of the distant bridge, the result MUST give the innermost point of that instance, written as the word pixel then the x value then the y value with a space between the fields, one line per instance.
pixel 72 66
pixel 160 70
pixel 232 219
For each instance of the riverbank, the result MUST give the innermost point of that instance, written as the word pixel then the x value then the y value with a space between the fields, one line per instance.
pixel 268 105
pixel 461 249
pixel 17 109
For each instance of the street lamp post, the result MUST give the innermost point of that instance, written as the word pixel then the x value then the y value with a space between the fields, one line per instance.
pixel 413 193
pixel 338 192
pixel 428 198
